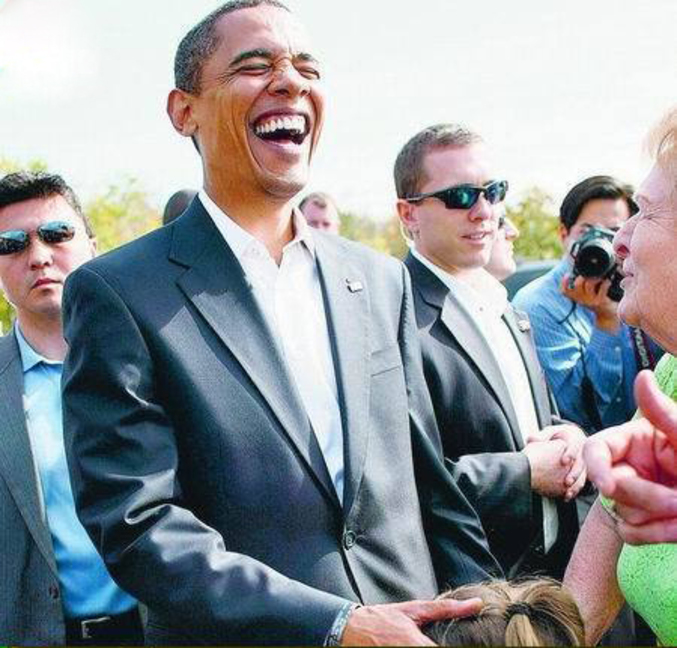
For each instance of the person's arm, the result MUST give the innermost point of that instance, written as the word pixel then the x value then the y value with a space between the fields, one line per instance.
pixel 497 485
pixel 591 573
pixel 123 458
pixel 567 358
pixel 455 535
pixel 636 464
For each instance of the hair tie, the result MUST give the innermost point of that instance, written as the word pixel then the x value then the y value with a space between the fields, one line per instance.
pixel 519 608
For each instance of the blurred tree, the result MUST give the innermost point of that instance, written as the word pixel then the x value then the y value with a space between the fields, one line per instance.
pixel 121 214
pixel 535 217
pixel 10 166
pixel 383 236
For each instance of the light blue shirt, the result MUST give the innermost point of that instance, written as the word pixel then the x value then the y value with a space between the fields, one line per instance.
pixel 573 351
pixel 86 587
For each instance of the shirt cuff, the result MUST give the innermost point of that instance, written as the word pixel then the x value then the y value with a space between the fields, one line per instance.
pixel 336 631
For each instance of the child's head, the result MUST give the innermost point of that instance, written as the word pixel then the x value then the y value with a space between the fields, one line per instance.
pixel 534 612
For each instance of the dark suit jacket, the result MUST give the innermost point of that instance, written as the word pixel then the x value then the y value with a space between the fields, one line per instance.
pixel 478 424
pixel 30 606
pixel 195 467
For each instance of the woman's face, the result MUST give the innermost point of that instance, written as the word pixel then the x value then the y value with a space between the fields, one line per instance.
pixel 647 246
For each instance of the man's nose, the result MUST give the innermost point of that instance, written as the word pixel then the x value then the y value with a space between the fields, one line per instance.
pixel 287 80
pixel 482 210
pixel 39 254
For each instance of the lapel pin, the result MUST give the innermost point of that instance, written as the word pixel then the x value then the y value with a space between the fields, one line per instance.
pixel 523 325
pixel 354 286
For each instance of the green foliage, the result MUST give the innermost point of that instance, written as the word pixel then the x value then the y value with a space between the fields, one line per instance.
pixel 121 214
pixel 11 166
pixel 383 236
pixel 534 216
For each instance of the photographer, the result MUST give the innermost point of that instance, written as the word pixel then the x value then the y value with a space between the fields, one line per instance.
pixel 589 356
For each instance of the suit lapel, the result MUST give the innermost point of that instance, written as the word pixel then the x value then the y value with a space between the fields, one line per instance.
pixel 216 285
pixel 16 458
pixel 464 330
pixel 347 307
pixel 520 328
pixel 461 326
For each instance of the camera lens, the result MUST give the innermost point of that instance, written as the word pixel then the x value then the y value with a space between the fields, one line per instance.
pixel 595 258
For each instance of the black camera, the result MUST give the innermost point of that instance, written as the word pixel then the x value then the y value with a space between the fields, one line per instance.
pixel 593 255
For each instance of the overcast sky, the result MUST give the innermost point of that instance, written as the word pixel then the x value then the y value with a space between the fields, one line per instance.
pixel 560 90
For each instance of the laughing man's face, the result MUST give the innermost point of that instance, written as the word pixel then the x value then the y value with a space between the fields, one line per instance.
pixel 259 113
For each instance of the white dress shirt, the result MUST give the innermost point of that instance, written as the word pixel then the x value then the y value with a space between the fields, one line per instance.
pixel 291 299
pixel 486 310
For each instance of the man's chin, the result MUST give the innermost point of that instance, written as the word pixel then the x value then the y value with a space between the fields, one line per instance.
pixel 284 187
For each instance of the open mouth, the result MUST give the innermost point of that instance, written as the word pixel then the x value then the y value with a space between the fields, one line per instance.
pixel 478 236
pixel 282 129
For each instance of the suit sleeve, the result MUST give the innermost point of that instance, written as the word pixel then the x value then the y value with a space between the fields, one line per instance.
pixel 498 484
pixel 455 536
pixel 123 459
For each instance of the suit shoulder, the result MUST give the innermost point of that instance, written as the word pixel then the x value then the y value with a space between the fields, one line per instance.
pixel 133 260
pixel 9 350
pixel 365 256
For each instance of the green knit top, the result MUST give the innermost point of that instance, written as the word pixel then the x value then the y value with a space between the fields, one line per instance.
pixel 647 574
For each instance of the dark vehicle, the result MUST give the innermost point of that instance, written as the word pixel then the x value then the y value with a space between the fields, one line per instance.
pixel 527 271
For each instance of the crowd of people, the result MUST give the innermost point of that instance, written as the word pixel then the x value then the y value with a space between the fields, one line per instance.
pixel 243 428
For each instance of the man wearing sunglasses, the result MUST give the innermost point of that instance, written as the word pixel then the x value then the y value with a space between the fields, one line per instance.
pixel 492 405
pixel 55 588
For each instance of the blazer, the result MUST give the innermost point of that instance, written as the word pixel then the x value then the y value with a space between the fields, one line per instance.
pixel 195 468
pixel 479 428
pixel 30 606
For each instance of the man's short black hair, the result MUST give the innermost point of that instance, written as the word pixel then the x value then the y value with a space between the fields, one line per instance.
pixel 594 188
pixel 29 185
pixel 202 41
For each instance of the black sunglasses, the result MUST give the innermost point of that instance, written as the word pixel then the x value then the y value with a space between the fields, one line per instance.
pixel 54 232
pixel 465 196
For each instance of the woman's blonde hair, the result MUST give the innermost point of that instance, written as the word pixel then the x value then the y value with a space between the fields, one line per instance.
pixel 662 141
pixel 534 612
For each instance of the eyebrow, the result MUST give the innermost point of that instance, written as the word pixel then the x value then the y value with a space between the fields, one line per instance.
pixel 260 52
pixel 254 53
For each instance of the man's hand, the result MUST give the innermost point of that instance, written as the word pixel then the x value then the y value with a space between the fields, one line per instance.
pixel 548 467
pixel 398 624
pixel 574 438
pixel 592 293
pixel 636 464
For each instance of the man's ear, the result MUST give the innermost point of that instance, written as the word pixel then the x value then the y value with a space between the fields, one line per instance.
pixel 563 232
pixel 180 111
pixel 93 244
pixel 407 215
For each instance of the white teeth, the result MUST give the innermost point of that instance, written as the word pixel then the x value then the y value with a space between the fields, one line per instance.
pixel 293 123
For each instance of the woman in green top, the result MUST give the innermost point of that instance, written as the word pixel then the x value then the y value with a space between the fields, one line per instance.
pixel 603 571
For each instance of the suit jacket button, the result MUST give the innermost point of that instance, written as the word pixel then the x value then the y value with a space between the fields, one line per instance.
pixel 349 539
pixel 54 592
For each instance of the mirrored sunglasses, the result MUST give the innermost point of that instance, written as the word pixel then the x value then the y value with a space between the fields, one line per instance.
pixel 466 196
pixel 13 241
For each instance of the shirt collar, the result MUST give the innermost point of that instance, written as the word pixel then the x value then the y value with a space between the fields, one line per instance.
pixel 240 240
pixel 29 356
pixel 495 299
